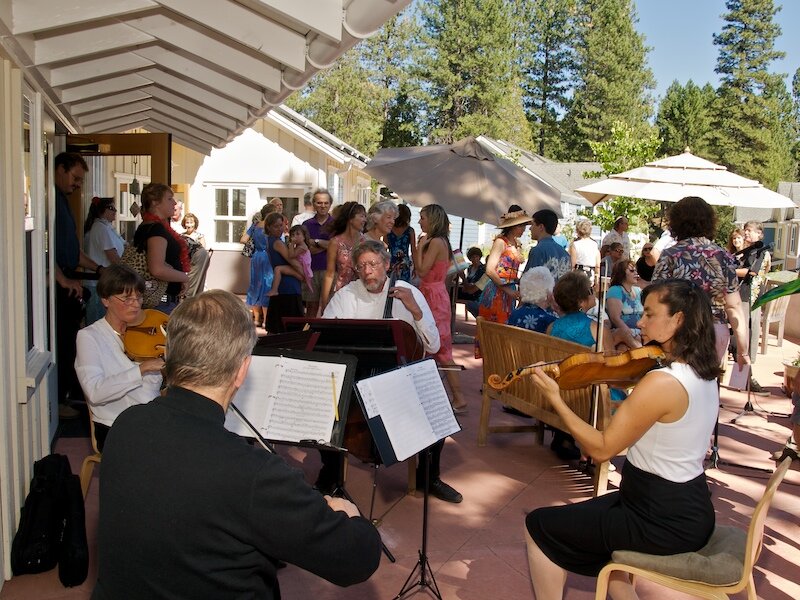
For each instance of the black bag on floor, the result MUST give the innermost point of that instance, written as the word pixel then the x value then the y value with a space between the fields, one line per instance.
pixel 73 562
pixel 50 508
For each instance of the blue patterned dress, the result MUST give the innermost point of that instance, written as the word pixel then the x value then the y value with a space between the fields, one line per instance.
pixel 400 252
pixel 260 269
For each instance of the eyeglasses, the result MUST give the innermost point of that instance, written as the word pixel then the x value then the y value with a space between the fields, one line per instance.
pixel 618 250
pixel 373 265
pixel 130 300
pixel 647 249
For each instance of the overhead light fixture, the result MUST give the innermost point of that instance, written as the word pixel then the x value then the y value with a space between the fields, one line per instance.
pixel 134 187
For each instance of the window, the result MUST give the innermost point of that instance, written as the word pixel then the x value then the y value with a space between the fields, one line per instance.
pixel 230 212
pixel 793 240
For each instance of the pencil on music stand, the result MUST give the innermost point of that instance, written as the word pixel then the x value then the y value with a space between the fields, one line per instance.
pixel 333 389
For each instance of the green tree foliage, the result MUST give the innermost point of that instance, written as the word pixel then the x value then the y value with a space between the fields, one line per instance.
pixel 547 62
pixel 344 101
pixel 392 57
pixel 749 130
pixel 470 70
pixel 627 149
pixel 684 118
pixel 613 77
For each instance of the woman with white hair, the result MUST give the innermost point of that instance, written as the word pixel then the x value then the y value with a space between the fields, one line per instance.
pixel 380 220
pixel 536 293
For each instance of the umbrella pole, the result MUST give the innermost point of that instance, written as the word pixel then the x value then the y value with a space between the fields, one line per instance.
pixel 458 338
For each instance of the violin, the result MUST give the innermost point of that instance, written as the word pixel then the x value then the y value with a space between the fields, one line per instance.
pixel 579 370
pixel 147 339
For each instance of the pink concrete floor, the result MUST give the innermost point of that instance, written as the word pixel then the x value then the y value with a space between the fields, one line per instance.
pixel 476 548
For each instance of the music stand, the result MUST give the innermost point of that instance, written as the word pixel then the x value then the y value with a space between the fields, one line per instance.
pixel 426 417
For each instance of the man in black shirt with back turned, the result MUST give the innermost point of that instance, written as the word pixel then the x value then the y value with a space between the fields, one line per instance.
pixel 189 509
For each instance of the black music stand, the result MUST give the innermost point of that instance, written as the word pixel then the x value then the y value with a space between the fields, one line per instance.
pixel 427 412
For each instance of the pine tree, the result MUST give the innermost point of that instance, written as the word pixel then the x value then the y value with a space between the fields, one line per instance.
pixel 547 62
pixel 684 118
pixel 470 66
pixel 344 101
pixel 613 77
pixel 392 57
pixel 748 127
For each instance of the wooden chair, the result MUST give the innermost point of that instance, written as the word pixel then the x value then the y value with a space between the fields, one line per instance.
pixel 87 468
pixel 723 566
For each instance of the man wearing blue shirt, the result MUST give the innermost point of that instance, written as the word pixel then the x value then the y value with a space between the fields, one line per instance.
pixel 547 252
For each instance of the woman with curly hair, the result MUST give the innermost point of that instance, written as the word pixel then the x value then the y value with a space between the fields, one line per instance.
pixel 695 258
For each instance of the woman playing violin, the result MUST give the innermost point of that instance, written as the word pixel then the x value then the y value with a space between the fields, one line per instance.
pixel 663 505
pixel 110 380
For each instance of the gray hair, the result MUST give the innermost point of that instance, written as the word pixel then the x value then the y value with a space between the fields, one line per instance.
pixel 373 246
pixel 208 338
pixel 376 211
pixel 535 285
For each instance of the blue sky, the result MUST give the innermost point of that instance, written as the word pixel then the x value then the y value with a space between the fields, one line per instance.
pixel 679 33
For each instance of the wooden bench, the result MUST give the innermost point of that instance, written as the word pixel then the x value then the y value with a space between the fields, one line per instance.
pixel 506 348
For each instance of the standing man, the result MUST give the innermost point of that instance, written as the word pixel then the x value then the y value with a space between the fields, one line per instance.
pixel 70 170
pixel 547 252
pixel 753 256
pixel 191 510
pixel 619 234
pixel 318 233
pixel 308 211
pixel 365 298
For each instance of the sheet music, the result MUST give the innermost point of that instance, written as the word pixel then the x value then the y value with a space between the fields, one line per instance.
pixel 413 406
pixel 435 403
pixel 289 399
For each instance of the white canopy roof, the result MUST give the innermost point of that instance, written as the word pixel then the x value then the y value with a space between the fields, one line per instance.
pixel 202 70
pixel 676 177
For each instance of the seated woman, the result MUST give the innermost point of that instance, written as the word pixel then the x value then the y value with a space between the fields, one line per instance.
pixel 663 505
pixel 110 380
pixel 624 304
pixel 536 293
pixel 574 296
pixel 468 292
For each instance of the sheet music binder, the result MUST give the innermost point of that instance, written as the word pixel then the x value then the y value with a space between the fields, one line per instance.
pixel 398 415
pixel 255 410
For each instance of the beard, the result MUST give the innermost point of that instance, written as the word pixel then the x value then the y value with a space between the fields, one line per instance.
pixel 375 285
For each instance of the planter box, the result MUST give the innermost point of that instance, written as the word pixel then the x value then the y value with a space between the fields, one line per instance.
pixel 789 373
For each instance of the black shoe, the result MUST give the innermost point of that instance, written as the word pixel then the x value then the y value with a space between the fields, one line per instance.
pixel 564 447
pixel 756 388
pixel 785 452
pixel 513 411
pixel 442 491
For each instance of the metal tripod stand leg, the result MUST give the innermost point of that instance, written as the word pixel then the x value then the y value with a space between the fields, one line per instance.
pixel 426 579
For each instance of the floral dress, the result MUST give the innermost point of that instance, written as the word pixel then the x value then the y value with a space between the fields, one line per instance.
pixel 400 252
pixel 496 305
pixel 702 262
pixel 345 273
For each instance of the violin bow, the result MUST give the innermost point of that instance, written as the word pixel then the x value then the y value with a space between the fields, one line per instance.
pixel 261 440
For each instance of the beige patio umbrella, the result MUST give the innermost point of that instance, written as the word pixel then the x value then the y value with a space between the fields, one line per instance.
pixel 464 178
pixel 675 177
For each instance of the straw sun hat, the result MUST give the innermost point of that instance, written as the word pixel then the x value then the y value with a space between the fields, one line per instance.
pixel 514 218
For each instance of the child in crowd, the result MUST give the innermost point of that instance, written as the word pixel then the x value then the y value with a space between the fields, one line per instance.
pixel 299 260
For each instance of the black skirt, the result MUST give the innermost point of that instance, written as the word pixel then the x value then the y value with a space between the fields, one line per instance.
pixel 649 514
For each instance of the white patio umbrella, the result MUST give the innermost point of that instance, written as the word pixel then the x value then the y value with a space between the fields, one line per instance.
pixel 464 177
pixel 676 177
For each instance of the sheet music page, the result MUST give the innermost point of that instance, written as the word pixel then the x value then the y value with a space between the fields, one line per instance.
pixel 401 412
pixel 288 399
pixel 302 407
pixel 433 397
pixel 255 395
